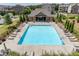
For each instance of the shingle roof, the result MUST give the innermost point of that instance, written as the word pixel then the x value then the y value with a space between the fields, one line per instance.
pixel 37 11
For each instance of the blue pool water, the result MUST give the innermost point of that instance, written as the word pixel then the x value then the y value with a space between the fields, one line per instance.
pixel 40 35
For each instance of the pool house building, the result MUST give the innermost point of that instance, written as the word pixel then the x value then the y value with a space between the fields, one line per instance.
pixel 40 15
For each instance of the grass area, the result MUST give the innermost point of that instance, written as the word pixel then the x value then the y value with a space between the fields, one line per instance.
pixel 4 29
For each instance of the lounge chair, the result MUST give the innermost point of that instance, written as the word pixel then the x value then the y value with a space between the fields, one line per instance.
pixel 68 34
pixel 13 35
pixel 18 30
pixel 73 38
pixel 66 31
pixel 10 38
pixel 15 32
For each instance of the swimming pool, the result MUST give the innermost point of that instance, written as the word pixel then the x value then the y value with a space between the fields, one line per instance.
pixel 40 35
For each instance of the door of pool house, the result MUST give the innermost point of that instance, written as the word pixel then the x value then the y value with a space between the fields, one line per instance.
pixel 41 19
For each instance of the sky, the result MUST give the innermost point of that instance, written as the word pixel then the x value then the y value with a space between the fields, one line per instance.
pixel 24 4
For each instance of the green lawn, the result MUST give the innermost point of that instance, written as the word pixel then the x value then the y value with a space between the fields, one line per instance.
pixel 4 28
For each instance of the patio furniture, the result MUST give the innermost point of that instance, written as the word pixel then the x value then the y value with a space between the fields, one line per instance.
pixel 10 38
pixel 73 38
pixel 68 34
pixel 13 35
pixel 18 30
pixel 66 31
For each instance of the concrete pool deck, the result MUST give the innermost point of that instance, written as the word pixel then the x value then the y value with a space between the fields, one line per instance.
pixel 39 49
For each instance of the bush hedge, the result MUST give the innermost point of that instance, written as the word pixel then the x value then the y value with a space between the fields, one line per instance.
pixel 72 17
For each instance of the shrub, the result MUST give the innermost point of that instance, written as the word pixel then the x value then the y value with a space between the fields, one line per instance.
pixel 65 25
pixel 69 26
pixel 60 18
pixel 72 17
pixel 22 18
pixel 72 27
pixel 57 16
pixel 49 54
pixel 8 19
pixel 13 53
pixel 63 17
pixel 74 54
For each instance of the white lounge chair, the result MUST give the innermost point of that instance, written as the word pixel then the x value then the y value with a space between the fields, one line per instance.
pixel 69 35
pixel 10 38
pixel 13 35
pixel 73 38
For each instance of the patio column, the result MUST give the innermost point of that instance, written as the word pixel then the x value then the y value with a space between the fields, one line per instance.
pixel 47 19
pixel 50 18
pixel 34 19
pixel 31 18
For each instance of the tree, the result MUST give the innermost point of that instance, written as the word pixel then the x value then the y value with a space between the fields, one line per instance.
pixel 8 19
pixel 65 25
pixel 69 26
pixel 72 26
pixel 22 18
pixel 13 12
pixel 2 13
pixel 26 11
pixel 33 7
pixel 57 7
pixel 60 18
pixel 78 19
pixel 57 15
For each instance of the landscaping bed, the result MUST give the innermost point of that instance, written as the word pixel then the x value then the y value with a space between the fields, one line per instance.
pixel 5 30
pixel 70 19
